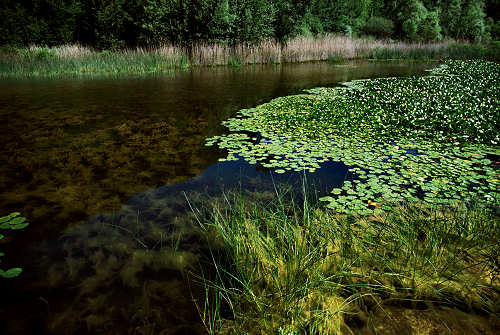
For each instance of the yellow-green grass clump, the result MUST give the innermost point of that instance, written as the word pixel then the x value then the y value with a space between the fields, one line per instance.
pixel 288 268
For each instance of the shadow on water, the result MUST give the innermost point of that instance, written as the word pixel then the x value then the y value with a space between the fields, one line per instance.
pixel 102 168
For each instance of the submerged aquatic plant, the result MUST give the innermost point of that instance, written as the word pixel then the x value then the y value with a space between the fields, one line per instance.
pixel 15 222
pixel 292 267
pixel 431 138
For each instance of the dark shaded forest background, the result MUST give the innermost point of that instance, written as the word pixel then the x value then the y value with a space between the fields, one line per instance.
pixel 115 24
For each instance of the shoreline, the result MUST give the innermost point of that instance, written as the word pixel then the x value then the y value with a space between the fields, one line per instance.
pixel 37 61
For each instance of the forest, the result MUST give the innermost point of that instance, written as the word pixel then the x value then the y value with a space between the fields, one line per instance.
pixel 118 24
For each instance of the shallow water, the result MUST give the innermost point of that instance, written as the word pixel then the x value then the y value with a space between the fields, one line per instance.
pixel 107 170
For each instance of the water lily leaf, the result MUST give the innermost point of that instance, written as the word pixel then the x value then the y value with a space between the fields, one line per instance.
pixel 11 273
pixel 19 226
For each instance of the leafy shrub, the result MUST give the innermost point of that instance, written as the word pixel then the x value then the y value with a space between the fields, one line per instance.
pixel 379 26
pixel 467 51
pixel 495 31
pixel 493 51
pixel 429 28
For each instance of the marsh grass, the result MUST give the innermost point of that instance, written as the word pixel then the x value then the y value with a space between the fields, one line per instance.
pixel 286 266
pixel 36 61
pixel 77 59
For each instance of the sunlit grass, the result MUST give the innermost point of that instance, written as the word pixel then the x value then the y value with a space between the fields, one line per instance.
pixel 289 267
pixel 57 61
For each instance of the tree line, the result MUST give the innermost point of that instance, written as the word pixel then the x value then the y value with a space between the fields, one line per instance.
pixel 114 24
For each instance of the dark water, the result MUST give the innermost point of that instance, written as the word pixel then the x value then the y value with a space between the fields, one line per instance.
pixel 112 172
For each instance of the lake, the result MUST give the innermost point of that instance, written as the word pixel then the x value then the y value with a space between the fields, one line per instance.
pixel 111 172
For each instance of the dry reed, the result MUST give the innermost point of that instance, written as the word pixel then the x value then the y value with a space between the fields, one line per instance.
pixel 299 49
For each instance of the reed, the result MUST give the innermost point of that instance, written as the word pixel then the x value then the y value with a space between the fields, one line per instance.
pixel 77 59
pixel 289 267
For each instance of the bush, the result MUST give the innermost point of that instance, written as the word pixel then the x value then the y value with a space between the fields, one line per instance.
pixel 467 51
pixel 379 27
pixel 429 28
pixel 495 31
pixel 493 51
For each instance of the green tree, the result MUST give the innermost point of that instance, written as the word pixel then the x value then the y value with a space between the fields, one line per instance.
pixel 250 20
pixel 48 22
pixel 412 14
pixel 113 24
pixel 379 27
pixel 451 14
pixel 289 17
pixel 429 28
pixel 13 23
pixel 472 22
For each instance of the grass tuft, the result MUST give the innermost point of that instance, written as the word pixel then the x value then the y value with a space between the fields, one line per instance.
pixel 285 267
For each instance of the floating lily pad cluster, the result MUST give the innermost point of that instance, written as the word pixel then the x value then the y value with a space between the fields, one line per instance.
pixel 15 222
pixel 433 138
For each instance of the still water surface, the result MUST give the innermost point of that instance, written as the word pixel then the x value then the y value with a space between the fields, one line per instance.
pixel 103 168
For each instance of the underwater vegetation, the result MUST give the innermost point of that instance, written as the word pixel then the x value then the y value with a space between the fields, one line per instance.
pixel 61 167
pixel 125 272
pixel 433 139
pixel 293 267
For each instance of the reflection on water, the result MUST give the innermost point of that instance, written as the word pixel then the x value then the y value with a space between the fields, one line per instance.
pixel 102 166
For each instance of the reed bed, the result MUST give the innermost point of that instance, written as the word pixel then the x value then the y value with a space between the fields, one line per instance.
pixel 78 59
pixel 307 49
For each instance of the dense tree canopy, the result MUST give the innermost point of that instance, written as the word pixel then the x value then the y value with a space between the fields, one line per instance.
pixel 122 23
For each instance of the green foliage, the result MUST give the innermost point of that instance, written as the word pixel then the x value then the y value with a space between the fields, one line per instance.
pixel 289 16
pixel 493 29
pixel 419 23
pixel 12 23
pixel 39 54
pixel 467 51
pixel 429 29
pixel 490 51
pixel 14 222
pixel 115 24
pixel 451 14
pixel 472 21
pixel 379 27
pixel 251 20
pixel 45 62
pixel 493 51
pixel 47 22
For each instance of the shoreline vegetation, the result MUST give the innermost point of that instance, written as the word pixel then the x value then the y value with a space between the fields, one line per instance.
pixel 80 60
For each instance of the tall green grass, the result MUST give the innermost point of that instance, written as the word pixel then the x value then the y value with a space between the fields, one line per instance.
pixel 290 267
pixel 44 61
